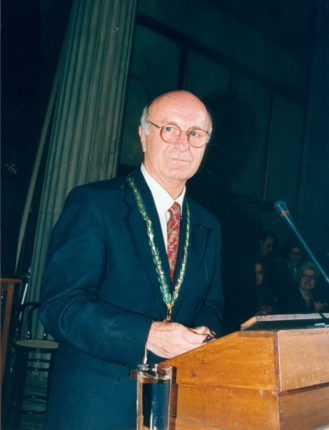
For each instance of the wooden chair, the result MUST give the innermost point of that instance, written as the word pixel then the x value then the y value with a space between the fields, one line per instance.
pixel 8 287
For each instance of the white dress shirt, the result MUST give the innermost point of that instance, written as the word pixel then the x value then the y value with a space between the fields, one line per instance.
pixel 162 199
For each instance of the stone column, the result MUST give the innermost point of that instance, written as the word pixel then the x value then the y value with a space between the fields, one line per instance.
pixel 85 135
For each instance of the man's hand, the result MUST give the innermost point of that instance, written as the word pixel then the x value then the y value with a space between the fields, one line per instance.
pixel 168 339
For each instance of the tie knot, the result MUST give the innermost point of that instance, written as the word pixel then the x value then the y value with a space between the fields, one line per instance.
pixel 174 210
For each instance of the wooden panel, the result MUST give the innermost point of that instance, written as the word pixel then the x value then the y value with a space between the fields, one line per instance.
pixel 248 380
pixel 239 360
pixel 303 358
pixel 305 409
pixel 233 409
pixel 226 408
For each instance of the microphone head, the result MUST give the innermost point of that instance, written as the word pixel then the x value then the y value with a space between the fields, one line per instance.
pixel 281 208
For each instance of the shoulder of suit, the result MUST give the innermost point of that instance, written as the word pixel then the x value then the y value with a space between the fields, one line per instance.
pixel 104 193
pixel 99 187
pixel 203 215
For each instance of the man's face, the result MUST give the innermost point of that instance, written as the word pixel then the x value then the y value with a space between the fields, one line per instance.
pixel 172 164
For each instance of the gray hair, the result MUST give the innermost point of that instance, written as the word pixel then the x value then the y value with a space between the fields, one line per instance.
pixel 146 126
pixel 144 118
pixel 307 265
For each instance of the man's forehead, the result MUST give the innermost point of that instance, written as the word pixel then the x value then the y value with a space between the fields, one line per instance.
pixel 167 108
pixel 177 99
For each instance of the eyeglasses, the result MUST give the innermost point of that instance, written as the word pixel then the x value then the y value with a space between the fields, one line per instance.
pixel 170 133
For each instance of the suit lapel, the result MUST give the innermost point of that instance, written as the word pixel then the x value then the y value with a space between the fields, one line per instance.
pixel 138 231
pixel 198 239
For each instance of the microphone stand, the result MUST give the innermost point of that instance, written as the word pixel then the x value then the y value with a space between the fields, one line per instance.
pixel 283 212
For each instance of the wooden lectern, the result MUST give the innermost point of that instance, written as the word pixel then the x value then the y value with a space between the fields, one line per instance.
pixel 256 378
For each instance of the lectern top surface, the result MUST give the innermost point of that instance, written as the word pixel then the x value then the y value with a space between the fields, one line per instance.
pixel 287 322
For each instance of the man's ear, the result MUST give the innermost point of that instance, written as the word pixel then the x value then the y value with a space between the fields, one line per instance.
pixel 142 137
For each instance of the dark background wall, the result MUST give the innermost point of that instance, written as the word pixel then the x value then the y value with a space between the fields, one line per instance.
pixel 32 36
pixel 252 63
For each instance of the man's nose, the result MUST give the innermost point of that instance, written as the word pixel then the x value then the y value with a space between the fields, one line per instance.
pixel 183 140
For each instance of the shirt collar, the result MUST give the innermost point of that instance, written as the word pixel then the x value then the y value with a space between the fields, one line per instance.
pixel 162 198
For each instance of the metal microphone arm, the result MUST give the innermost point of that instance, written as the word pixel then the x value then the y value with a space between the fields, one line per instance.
pixel 282 209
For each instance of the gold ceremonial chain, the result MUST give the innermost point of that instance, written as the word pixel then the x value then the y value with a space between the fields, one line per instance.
pixel 168 298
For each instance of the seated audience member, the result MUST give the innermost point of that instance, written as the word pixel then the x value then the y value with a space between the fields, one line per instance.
pixel 267 255
pixel 293 259
pixel 287 269
pixel 265 297
pixel 308 295
pixel 267 245
pixel 247 294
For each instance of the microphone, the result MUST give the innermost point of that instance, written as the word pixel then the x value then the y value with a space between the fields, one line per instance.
pixel 282 210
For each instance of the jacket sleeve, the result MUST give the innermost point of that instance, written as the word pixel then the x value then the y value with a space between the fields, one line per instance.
pixel 71 309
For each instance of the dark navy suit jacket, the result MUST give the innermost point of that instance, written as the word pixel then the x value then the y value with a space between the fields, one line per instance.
pixel 101 294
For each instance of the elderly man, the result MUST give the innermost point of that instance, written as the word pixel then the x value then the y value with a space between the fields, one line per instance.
pixel 132 273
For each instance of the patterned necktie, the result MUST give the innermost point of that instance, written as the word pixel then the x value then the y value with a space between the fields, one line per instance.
pixel 173 226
